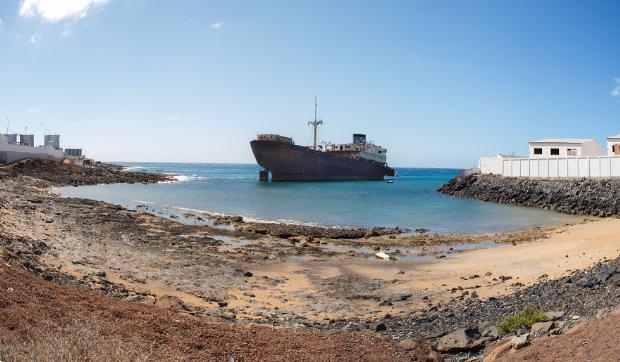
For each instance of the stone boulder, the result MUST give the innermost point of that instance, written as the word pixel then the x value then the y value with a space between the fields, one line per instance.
pixel 171 302
pixel 420 349
pixel 490 332
pixel 464 339
pixel 541 329
pixel 521 341
pixel 554 316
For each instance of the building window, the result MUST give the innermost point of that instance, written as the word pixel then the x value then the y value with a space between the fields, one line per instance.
pixel 555 152
pixel 615 149
pixel 571 152
pixel 538 151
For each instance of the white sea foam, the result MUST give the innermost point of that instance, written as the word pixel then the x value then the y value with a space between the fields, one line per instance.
pixel 133 168
pixel 252 219
pixel 185 178
pixel 189 209
pixel 144 202
pixel 181 178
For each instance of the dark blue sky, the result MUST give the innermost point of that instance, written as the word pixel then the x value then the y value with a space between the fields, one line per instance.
pixel 438 83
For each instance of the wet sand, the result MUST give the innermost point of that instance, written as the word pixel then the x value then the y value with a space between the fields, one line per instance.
pixel 362 280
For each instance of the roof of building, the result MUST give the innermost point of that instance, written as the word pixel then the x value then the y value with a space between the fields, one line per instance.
pixel 616 136
pixel 504 155
pixel 564 140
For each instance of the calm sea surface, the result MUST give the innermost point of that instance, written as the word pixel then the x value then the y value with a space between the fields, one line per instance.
pixel 411 201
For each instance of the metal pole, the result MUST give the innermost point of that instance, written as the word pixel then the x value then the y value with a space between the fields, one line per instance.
pixel 314 143
pixel 315 108
pixel 315 124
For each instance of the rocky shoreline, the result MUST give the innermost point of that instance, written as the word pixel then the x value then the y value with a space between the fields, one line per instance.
pixel 579 196
pixel 68 175
pixel 280 274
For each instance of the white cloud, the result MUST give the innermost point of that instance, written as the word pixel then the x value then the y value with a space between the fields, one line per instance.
pixel 616 91
pixel 35 38
pixel 56 10
pixel 217 25
pixel 175 118
pixel 0 24
pixel 31 111
pixel 66 31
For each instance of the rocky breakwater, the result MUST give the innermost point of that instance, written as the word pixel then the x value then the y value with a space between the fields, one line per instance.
pixel 578 196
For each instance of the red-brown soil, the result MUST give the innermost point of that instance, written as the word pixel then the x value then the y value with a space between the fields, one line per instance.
pixel 594 340
pixel 32 310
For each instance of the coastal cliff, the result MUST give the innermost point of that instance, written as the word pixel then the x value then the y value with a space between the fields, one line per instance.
pixel 578 196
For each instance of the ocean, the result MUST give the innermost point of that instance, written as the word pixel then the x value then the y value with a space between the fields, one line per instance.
pixel 233 189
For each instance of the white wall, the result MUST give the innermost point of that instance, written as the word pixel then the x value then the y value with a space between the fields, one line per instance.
pixel 492 165
pixel 11 153
pixel 601 166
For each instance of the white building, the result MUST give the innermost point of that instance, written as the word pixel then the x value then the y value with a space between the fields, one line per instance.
pixel 559 158
pixel 565 147
pixel 613 145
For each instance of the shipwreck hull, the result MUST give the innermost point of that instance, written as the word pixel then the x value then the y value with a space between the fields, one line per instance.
pixel 288 162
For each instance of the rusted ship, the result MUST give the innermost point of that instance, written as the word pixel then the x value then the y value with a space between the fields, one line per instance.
pixel 282 160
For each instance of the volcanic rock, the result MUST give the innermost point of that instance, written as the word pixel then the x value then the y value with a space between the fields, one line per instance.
pixel 464 339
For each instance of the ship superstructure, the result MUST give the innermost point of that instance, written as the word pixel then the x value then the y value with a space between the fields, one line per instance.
pixel 359 148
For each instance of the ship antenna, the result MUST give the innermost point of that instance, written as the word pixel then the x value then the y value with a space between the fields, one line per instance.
pixel 315 105
pixel 314 124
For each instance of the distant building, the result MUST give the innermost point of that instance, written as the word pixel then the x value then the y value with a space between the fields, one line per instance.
pixel 565 147
pixel 613 145
pixel 52 140
pixel 26 140
pixel 11 138
pixel 73 152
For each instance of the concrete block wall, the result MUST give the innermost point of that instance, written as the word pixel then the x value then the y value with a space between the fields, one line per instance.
pixel 601 166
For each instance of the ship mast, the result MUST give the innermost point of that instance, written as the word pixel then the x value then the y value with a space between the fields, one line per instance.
pixel 314 124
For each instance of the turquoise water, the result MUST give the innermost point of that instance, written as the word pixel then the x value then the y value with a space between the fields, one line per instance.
pixel 410 202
